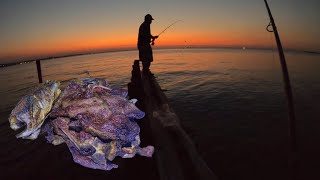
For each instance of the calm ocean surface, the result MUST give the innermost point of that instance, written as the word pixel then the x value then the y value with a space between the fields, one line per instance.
pixel 230 102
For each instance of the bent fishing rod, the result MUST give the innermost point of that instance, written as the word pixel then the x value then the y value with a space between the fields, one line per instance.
pixel 152 42
pixel 293 151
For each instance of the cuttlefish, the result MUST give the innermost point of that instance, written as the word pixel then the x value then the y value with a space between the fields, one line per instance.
pixel 97 122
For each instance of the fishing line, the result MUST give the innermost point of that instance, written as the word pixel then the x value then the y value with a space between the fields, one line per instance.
pixel 272 40
pixel 152 42
pixel 169 26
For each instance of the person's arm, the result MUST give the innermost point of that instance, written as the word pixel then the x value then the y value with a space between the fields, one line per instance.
pixel 152 39
pixel 144 32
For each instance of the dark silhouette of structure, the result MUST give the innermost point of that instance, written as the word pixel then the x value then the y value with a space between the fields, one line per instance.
pixel 176 157
pixel 144 47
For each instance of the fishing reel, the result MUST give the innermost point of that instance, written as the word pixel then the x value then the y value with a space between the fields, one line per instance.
pixel 152 41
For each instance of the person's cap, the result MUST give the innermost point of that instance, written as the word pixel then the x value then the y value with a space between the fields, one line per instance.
pixel 148 16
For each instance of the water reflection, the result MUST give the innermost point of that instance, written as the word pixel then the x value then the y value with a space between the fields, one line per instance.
pixel 231 102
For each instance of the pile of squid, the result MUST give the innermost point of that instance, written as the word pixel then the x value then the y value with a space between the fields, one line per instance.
pixel 96 122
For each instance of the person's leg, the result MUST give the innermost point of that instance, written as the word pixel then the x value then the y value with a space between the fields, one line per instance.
pixel 149 57
pixel 145 66
pixel 145 55
pixel 143 59
pixel 148 65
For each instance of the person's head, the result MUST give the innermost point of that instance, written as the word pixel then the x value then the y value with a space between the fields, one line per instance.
pixel 148 18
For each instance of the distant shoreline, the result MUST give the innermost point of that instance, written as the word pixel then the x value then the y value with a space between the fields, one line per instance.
pixel 60 56
pixel 158 48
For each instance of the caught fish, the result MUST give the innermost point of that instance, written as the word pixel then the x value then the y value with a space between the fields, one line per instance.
pixel 33 109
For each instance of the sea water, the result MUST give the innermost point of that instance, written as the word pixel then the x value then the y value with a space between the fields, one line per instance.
pixel 231 102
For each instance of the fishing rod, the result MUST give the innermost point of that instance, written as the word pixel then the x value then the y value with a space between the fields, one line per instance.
pixel 292 160
pixel 152 42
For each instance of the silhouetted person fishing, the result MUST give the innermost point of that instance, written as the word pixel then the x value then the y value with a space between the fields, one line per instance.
pixel 144 40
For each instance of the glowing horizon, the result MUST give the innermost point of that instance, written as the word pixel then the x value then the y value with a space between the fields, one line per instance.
pixel 42 28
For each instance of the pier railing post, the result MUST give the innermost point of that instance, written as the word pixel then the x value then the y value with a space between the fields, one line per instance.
pixel 39 71
pixel 135 86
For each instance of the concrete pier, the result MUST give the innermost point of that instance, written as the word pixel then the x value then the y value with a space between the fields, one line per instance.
pixel 175 154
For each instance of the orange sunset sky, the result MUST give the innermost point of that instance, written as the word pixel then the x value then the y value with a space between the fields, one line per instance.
pixel 31 29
